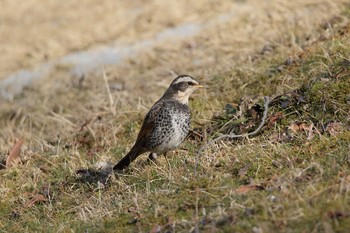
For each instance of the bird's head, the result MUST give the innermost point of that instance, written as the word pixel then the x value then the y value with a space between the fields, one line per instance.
pixel 181 88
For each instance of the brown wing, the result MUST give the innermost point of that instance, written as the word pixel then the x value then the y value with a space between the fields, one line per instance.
pixel 148 124
pixel 140 146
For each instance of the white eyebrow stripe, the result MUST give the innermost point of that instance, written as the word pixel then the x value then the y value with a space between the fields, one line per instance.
pixel 185 79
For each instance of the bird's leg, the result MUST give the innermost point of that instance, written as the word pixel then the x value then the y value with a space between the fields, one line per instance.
pixel 167 161
pixel 166 158
pixel 153 157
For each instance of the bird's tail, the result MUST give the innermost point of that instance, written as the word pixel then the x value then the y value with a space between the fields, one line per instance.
pixel 124 162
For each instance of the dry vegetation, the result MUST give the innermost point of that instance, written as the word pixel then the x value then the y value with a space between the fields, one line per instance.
pixel 292 177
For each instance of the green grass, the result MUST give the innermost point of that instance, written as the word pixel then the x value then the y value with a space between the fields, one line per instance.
pixel 302 176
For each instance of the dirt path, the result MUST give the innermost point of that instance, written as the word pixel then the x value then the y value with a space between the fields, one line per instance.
pixel 34 31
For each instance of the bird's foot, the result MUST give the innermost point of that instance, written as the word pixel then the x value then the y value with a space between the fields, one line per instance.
pixel 152 158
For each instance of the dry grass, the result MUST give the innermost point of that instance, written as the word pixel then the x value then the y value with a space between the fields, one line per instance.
pixel 290 178
pixel 32 32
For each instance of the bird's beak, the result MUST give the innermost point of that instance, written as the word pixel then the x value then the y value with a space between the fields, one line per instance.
pixel 199 86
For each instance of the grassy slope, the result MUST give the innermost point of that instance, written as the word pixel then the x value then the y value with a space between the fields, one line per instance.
pixel 298 182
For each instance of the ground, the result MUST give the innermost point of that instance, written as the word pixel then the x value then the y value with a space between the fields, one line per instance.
pixel 293 176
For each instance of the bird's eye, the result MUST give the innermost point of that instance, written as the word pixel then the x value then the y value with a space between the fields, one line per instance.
pixel 190 83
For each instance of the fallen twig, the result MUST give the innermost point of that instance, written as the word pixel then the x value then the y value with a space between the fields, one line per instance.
pixel 233 135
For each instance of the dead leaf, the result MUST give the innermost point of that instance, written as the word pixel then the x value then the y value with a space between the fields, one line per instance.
pixel 35 199
pixel 302 127
pixel 308 129
pixel 274 118
pixel 13 157
pixel 305 127
pixel 294 127
pixel 246 188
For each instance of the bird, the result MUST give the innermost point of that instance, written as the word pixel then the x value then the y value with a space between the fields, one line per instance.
pixel 167 123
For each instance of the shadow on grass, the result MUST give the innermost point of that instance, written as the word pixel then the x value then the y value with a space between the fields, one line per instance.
pixel 94 177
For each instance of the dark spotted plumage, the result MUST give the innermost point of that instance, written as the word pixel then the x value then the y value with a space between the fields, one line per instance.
pixel 171 123
pixel 167 123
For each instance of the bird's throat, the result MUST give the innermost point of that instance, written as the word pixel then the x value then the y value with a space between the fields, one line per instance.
pixel 182 97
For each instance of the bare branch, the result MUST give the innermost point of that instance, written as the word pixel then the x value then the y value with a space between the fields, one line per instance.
pixel 232 135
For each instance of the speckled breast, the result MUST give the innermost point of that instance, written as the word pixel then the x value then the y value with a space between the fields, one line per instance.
pixel 172 126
